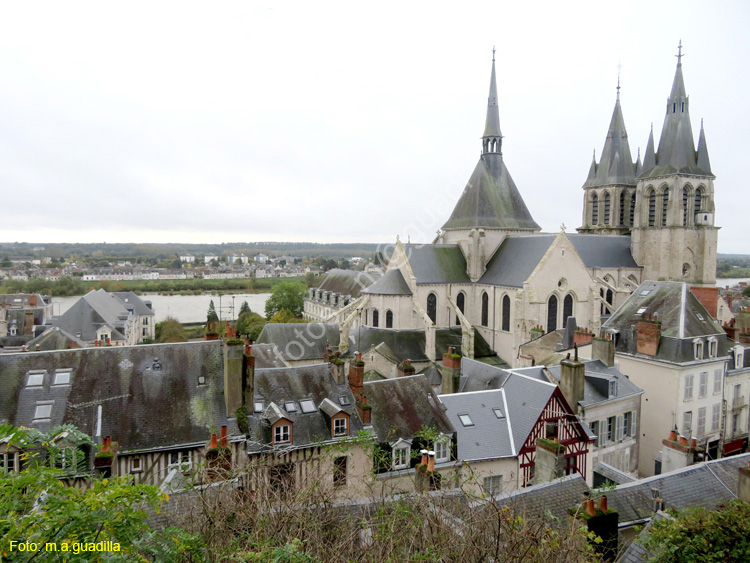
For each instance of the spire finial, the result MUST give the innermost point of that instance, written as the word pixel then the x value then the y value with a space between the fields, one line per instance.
pixel 639 153
pixel 619 70
pixel 493 53
pixel 701 123
pixel 679 54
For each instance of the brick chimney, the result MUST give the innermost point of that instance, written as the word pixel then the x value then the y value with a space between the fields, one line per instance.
pixel 451 371
pixel 405 369
pixel 744 336
pixel 239 376
pixel 649 333
pixel 602 522
pixel 743 484
pixel 709 298
pixel 357 376
pixel 32 300
pixel 582 336
pixel 573 381
pixel 603 348
pixel 731 330
pixel 337 368
pixel 677 452
pixel 28 322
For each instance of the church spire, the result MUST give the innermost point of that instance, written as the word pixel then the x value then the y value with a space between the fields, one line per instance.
pixel 703 162
pixel 492 138
pixel 649 161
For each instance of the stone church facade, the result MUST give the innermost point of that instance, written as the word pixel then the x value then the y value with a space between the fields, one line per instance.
pixel 491 269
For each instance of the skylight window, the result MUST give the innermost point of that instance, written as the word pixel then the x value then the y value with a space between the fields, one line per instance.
pixel 43 411
pixel 465 420
pixel 645 292
pixel 700 317
pixel 307 405
pixel 258 406
pixel 36 378
pixel 62 377
pixel 641 310
pixel 344 401
pixel 498 412
pixel 290 406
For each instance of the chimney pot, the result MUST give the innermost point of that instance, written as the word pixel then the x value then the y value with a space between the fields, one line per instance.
pixel 683 440
pixel 590 507
pixel 673 436
pixel 430 461
pixel 603 503
pixel 223 437
pixel 214 443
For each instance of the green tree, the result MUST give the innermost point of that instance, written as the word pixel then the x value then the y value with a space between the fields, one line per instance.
pixel 212 317
pixel 170 330
pixel 289 296
pixel 698 534
pixel 244 308
pixel 284 316
pixel 249 324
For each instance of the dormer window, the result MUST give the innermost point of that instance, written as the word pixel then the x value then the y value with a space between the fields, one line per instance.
pixel 401 456
pixel 340 427
pixel 739 357
pixel 281 434
pixel 613 388
pixel 698 348
pixel 713 347
pixel 442 449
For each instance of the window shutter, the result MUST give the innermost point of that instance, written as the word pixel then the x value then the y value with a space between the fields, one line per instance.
pixel 633 424
pixel 620 424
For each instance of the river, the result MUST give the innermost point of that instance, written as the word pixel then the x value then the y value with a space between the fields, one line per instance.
pixel 187 308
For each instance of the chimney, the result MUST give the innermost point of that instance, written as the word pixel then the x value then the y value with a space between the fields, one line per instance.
pixel 573 381
pixel 109 343
pixel 214 443
pixel 743 484
pixel 327 355
pixel 28 322
pixel 451 371
pixel 678 453
pixel 223 442
pixel 337 368
pixel 709 298
pixel 526 361
pixel 603 348
pixel 357 376
pixel 649 334
pixel 744 336
pixel 405 369
pixel 582 336
pixel 731 330
pixel 239 376
pixel 430 461
pixel 365 411
pixel 32 300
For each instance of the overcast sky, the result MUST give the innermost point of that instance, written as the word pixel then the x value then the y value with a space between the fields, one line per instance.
pixel 340 122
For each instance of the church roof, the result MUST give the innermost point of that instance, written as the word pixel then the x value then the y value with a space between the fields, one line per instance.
pixel 616 165
pixel 347 282
pixel 677 154
pixel 604 251
pixel 491 200
pixel 437 263
pixel 516 258
pixel 392 283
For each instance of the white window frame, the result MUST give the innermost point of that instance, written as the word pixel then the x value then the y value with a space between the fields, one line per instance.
pixel 340 427
pixel 442 449
pixel 595 431
pixel 703 384
pixel 698 348
pixel 8 462
pixel 493 485
pixel 739 357
pixel 401 456
pixel 689 378
pixel 282 434
pixel 713 347
pixel 627 424
pixel 133 460
pixel 634 423
pixel 180 459
pixel 611 429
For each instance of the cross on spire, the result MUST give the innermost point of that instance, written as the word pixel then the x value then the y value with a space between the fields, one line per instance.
pixel 679 54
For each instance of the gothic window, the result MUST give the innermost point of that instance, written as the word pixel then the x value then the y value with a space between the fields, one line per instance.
pixel 632 210
pixel 389 319
pixel 622 212
pixel 610 300
pixel 651 208
pixel 485 309
pixel 685 199
pixel 664 202
pixel 698 200
pixel 506 313
pixel 432 307
pixel 595 210
pixel 552 313
pixel 606 208
pixel 460 302
pixel 375 318
pixel 567 308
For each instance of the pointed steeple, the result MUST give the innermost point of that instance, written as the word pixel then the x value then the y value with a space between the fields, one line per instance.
pixel 616 165
pixel 638 165
pixel 649 161
pixel 592 171
pixel 676 153
pixel 703 162
pixel 492 138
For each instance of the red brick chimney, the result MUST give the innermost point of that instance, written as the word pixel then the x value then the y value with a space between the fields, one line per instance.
pixel 32 300
pixel 582 336
pixel 357 376
pixel 405 369
pixel 731 330
pixel 649 334
pixel 709 298
pixel 223 437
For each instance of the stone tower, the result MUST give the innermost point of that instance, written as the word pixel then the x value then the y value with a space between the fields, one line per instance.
pixel 673 234
pixel 490 206
pixel 609 190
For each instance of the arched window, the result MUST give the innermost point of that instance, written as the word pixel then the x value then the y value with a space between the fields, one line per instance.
pixel 485 309
pixel 389 319
pixel 622 212
pixel 506 313
pixel 685 199
pixel 375 318
pixel 432 307
pixel 460 301
pixel 606 208
pixel 552 313
pixel 698 200
pixel 651 208
pixel 632 210
pixel 567 309
pixel 664 203
pixel 595 209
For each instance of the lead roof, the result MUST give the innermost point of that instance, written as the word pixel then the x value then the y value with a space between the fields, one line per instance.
pixel 616 165
pixel 437 263
pixel 392 283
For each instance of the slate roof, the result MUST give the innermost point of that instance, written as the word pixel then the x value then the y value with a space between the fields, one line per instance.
pixel 616 165
pixel 682 318
pixel 709 484
pixel 548 499
pixel 676 154
pixel 300 341
pixel 268 356
pixel 150 395
pixel 597 378
pixel 437 263
pixel 348 282
pixel 604 251
pixel 409 344
pixel 54 338
pixel 491 200
pixel 392 283
pixel 292 384
pixel 91 312
pixel 513 262
pixel 130 299
pixel 403 406
pixel 521 400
